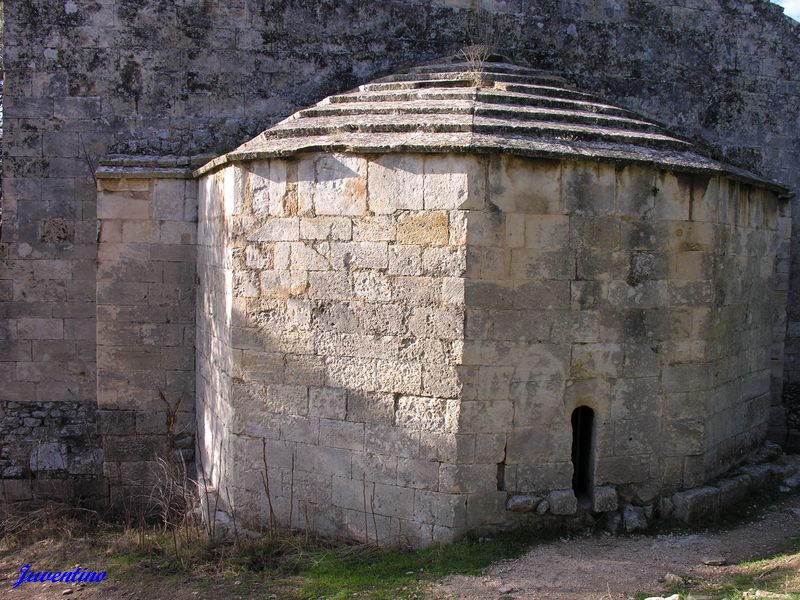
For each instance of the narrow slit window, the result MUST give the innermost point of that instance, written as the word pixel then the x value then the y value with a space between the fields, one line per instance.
pixel 582 450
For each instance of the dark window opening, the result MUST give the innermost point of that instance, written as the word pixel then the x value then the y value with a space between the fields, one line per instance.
pixel 501 476
pixel 582 451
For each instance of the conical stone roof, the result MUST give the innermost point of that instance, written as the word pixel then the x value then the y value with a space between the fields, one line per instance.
pixel 490 107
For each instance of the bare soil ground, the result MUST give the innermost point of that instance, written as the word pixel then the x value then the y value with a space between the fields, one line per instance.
pixel 606 567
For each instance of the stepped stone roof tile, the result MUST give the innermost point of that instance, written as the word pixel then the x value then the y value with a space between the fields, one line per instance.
pixel 490 107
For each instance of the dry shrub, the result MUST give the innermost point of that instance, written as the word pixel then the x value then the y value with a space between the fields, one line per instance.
pixel 22 524
pixel 476 57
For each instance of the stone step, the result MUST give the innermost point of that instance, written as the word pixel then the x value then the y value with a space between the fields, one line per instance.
pixel 480 109
pixel 485 96
pixel 399 123
pixel 466 72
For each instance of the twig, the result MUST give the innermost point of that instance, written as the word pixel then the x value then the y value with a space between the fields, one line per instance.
pixel 305 518
pixel 233 517
pixel 205 493
pixel 476 56
pixel 372 509
pixel 172 415
pixel 291 493
pixel 265 481
pixel 364 492
pixel 216 496
pixel 175 543
pixel 88 159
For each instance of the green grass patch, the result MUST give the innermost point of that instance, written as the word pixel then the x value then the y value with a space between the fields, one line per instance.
pixel 376 574
pixel 302 569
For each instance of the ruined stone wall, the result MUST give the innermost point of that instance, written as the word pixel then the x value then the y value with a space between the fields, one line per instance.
pixel 50 451
pixel 159 77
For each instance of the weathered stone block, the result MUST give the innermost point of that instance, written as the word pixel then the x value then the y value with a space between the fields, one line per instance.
pixel 50 456
pixel 695 504
pixel 359 255
pixel 419 413
pixel 341 434
pixel 380 228
pixel 635 190
pixel 122 206
pixel 672 198
pixel 427 228
pixel 395 183
pixel 326 228
pixel 40 329
pixel 604 499
pixel 485 416
pixel 454 182
pixel 277 230
pixel 515 187
pixel 370 407
pixel 634 518
pixel 562 502
pixel 418 474
pixel 391 440
pixel 588 188
pixel 326 461
pixel 439 508
pixel 468 479
pixel 522 503
pixel 327 402
pixel 333 184
pixel 405 260
pixel 169 199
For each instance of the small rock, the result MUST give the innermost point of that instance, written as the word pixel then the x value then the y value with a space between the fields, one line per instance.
pixel 522 503
pixel 66 592
pixel 633 518
pixel 505 589
pixel 665 508
pixel 543 507
pixel 785 489
pixel 604 499
pixel 672 579
pixel 793 481
pixel 612 522
pixel 562 502
pixel 795 512
pixel 715 562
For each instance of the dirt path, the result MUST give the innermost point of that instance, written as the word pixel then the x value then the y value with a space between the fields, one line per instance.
pixel 620 567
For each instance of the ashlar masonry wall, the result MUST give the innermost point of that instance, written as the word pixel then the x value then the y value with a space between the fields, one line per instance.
pixel 644 295
pixel 147 218
pixel 342 283
pixel 397 342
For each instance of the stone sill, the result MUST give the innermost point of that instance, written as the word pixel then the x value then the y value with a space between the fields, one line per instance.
pixel 123 166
